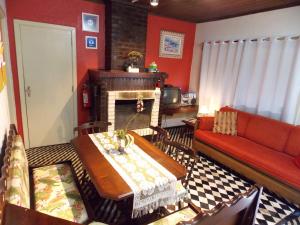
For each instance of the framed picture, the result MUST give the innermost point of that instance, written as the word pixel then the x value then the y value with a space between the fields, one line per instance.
pixel 171 44
pixel 91 42
pixel 90 22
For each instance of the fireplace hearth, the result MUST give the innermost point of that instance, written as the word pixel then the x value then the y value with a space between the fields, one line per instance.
pixel 122 106
pixel 125 110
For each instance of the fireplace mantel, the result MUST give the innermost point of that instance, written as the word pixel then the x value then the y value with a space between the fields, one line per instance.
pixel 100 74
pixel 103 81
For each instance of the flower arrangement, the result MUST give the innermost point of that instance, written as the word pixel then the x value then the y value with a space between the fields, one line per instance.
pixel 122 135
pixel 133 60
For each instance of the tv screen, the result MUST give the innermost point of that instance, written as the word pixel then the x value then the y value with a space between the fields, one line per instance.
pixel 172 97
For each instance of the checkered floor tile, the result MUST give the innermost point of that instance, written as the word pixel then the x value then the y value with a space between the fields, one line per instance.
pixel 211 183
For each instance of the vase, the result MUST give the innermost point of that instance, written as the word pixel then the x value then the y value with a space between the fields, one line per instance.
pixel 122 145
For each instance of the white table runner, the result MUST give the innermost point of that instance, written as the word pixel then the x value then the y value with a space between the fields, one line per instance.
pixel 153 186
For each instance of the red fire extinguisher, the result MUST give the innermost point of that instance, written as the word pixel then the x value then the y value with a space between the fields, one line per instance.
pixel 86 96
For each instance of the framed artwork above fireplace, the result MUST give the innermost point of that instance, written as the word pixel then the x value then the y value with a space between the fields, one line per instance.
pixel 171 44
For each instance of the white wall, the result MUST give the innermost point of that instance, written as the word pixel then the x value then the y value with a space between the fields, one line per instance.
pixel 280 22
pixel 7 104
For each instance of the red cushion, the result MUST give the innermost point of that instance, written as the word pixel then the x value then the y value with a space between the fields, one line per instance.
pixel 242 119
pixel 297 161
pixel 293 144
pixel 255 155
pixel 206 122
pixel 268 132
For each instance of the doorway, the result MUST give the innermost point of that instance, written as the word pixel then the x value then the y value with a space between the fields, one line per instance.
pixel 46 59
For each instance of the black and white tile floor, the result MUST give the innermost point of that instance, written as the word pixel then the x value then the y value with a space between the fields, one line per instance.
pixel 211 183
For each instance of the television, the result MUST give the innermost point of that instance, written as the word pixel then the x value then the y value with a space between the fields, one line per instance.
pixel 171 97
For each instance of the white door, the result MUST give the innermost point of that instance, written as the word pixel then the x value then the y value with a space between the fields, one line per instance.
pixel 47 74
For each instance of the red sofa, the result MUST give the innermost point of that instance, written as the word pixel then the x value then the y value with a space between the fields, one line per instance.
pixel 264 150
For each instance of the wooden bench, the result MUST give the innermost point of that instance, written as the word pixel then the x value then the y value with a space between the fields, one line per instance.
pixel 52 189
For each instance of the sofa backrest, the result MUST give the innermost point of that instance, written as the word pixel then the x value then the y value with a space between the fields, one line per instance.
pixel 262 130
pixel 293 143
pixel 271 133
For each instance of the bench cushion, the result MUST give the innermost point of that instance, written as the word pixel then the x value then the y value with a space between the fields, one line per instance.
pixel 181 192
pixel 182 215
pixel 18 186
pixel 56 193
pixel 18 175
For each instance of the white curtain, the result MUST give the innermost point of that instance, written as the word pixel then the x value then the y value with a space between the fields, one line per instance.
pixel 259 76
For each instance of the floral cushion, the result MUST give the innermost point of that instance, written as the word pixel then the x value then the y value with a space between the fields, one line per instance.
pixel 182 215
pixel 18 141
pixel 56 193
pixel 18 155
pixel 18 185
pixel 18 176
pixel 181 192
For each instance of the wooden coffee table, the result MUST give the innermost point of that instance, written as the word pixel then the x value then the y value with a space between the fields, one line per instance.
pixel 106 179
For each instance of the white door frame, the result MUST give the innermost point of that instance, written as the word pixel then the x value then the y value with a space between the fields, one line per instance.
pixel 17 26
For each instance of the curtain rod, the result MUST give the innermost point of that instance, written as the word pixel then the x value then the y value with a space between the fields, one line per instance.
pixel 255 39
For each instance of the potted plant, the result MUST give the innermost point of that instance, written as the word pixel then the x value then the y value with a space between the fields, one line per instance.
pixel 133 61
pixel 123 138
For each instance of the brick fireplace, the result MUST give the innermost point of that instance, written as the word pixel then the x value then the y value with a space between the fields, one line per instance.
pixel 115 94
pixel 115 91
pixel 119 113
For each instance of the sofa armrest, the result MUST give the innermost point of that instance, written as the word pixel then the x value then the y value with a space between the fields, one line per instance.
pixel 205 123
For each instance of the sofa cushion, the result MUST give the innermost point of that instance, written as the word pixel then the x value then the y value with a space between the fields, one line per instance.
pixel 56 194
pixel 225 123
pixel 297 161
pixel 293 143
pixel 257 156
pixel 268 132
pixel 242 119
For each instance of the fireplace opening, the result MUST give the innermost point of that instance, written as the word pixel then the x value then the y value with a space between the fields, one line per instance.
pixel 126 109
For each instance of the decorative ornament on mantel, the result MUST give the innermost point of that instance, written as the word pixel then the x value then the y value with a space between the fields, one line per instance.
pixel 153 67
pixel 133 62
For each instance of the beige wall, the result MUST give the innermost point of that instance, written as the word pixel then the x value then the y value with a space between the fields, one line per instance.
pixel 266 24
pixel 7 103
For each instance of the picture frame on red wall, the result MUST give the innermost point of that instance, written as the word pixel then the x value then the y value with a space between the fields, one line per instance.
pixel 91 42
pixel 90 22
pixel 171 44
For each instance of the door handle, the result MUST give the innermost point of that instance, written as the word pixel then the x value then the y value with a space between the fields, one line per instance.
pixel 28 91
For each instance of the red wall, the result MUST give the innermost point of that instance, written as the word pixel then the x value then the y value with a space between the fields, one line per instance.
pixel 62 12
pixel 178 69
pixel 68 13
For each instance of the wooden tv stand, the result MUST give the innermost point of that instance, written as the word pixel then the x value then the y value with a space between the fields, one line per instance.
pixel 181 109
